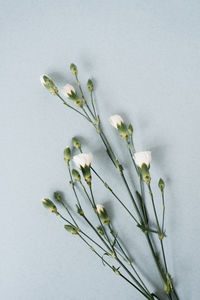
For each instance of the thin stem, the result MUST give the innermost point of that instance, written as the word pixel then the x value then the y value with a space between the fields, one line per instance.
pixel 127 258
pixel 154 207
pixel 92 101
pixel 66 220
pixel 109 188
pixel 83 97
pixel 72 183
pixel 131 196
pixel 163 216
pixel 111 267
pixel 67 104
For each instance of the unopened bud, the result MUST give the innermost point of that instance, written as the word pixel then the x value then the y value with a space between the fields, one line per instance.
pixel 161 184
pixel 145 173
pixel 76 175
pixel 48 83
pixel 90 85
pixel 80 211
pixel 76 143
pixel 73 69
pixel 72 229
pixel 130 129
pixel 48 204
pixel 67 154
pixel 58 196
pixel 100 230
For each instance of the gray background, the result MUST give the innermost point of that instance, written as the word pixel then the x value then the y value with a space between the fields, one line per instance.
pixel 144 58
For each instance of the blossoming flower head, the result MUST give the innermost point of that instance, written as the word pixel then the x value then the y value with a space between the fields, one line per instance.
pixel 100 208
pixel 142 158
pixel 68 90
pixel 116 120
pixel 48 83
pixel 83 159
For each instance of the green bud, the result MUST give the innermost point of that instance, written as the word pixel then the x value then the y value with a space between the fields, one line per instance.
pixel 72 229
pixel 49 84
pixel 100 230
pixel 80 211
pixel 76 143
pixel 67 154
pixel 48 204
pixel 87 174
pixel 103 214
pixel 58 196
pixel 161 184
pixel 73 69
pixel 145 173
pixel 90 85
pixel 78 102
pixel 123 131
pixel 76 175
pixel 130 129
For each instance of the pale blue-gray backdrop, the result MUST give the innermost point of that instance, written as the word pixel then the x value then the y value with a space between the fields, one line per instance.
pixel 144 58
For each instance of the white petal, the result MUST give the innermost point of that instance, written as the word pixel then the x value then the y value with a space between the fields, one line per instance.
pixel 116 120
pixel 83 159
pixel 142 158
pixel 100 208
pixel 67 89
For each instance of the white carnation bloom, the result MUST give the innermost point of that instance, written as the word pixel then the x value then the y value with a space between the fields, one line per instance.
pixel 142 158
pixel 116 120
pixel 83 159
pixel 100 208
pixel 67 90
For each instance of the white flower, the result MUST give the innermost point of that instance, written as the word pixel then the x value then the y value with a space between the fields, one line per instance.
pixel 116 120
pixel 100 208
pixel 83 159
pixel 67 90
pixel 142 158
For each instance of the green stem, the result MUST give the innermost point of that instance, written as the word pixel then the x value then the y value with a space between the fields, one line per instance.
pixel 68 105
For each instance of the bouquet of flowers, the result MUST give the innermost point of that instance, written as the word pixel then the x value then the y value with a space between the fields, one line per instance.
pixel 107 245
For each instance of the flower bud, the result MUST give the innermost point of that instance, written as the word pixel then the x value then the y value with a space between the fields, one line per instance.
pixel 58 196
pixel 130 129
pixel 142 158
pixel 78 102
pixel 90 85
pixel 76 143
pixel 72 229
pixel 73 69
pixel 76 175
pixel 117 122
pixel 67 154
pixel 87 174
pixel 48 83
pixel 80 211
pixel 83 161
pixel 69 91
pixel 103 214
pixel 161 184
pixel 145 174
pixel 48 204
pixel 100 230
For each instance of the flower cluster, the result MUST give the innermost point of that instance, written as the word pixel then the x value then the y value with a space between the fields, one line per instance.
pixel 107 244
